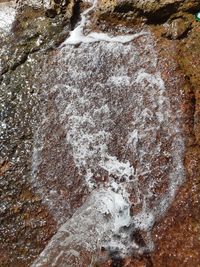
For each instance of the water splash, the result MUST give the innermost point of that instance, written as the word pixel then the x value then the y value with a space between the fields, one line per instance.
pixel 77 35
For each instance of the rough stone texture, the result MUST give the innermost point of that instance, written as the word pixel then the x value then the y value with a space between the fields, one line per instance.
pixel 189 61
pixel 155 11
pixel 27 223
pixel 177 236
pixel 178 28
pixel 137 55
pixel 50 7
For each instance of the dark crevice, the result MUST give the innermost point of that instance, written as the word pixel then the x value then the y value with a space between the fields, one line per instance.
pixel 193 10
pixel 159 16
pixel 124 8
pixel 192 102
pixel 183 35
pixel 163 14
pixel 135 236
pixel 138 239
pixel 145 256
pixel 58 2
pixel 179 37
pixel 117 261
pixel 22 59
pixel 76 11
pixel 51 13
pixel 4 70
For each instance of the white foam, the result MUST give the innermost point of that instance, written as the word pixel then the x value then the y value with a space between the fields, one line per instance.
pixel 77 35
pixel 7 16
pixel 119 81
pixel 79 231
pixel 114 167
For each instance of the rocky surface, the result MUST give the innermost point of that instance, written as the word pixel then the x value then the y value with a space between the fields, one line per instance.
pixel 29 51
pixel 155 12
pixel 26 223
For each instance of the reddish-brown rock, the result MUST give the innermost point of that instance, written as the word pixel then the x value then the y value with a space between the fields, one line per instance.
pixel 42 190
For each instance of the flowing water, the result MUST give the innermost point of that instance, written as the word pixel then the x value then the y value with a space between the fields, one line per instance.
pixel 108 153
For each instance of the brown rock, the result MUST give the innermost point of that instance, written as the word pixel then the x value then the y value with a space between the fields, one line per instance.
pixel 27 223
pixel 177 29
pixel 155 11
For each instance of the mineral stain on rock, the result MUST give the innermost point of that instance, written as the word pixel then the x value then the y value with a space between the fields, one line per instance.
pixel 100 141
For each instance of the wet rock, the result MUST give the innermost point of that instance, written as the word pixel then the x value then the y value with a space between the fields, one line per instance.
pixel 189 61
pixel 156 12
pixel 51 13
pixel 177 28
pixel 178 233
pixel 50 7
pixel 24 217
pixel 27 223
pixel 54 146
